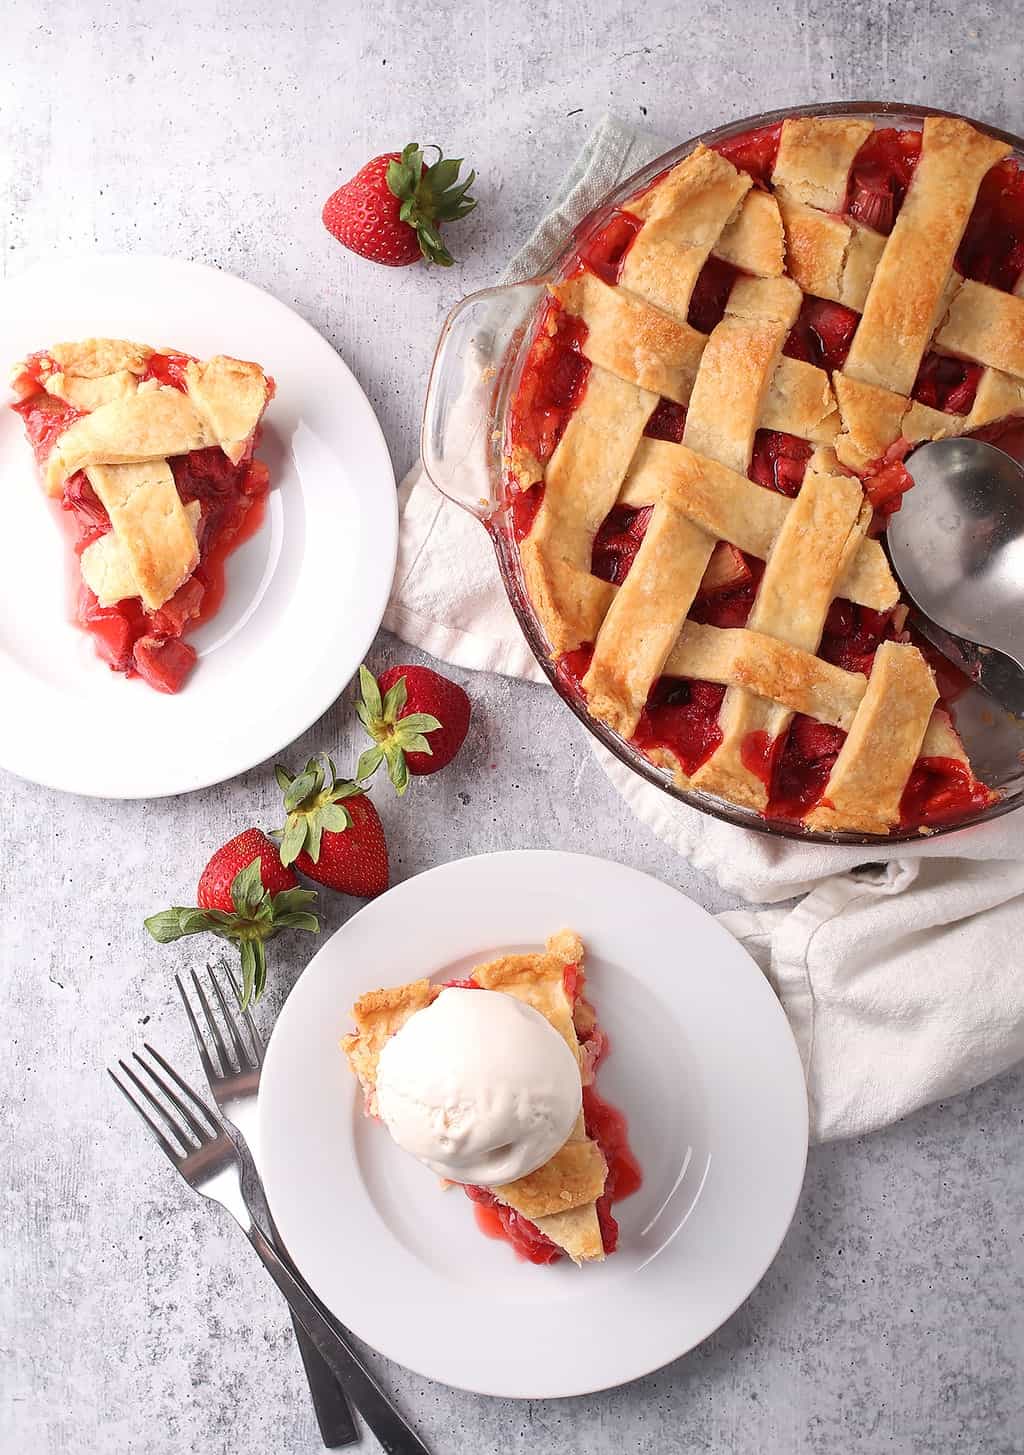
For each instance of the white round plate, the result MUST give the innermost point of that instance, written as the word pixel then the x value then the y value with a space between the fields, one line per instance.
pixel 702 1063
pixel 305 594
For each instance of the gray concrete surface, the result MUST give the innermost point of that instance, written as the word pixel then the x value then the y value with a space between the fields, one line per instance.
pixel 132 1319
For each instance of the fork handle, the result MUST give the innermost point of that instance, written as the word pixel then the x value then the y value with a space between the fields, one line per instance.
pixel 395 1436
pixel 337 1424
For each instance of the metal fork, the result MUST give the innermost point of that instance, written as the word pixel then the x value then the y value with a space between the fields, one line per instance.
pixel 234 1092
pixel 197 1145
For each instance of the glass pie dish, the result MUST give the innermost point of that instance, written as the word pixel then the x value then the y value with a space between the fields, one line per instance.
pixel 469 431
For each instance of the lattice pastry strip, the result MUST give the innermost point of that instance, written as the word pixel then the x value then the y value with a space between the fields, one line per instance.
pixel 821 534
pixel 904 302
pixel 867 782
pixel 582 483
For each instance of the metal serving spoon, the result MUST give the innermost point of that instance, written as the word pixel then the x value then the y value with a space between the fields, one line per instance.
pixel 957 544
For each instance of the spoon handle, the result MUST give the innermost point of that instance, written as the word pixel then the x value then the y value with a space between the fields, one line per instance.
pixel 992 671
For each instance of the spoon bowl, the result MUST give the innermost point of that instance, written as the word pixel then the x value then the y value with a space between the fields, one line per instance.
pixel 957 542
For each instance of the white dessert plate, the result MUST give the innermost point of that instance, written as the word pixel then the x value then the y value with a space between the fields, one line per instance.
pixel 305 594
pixel 702 1063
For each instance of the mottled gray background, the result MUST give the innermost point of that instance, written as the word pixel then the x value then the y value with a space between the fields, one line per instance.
pixel 133 1318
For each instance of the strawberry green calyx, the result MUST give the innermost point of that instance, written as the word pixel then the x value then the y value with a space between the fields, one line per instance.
pixel 394 736
pixel 314 802
pixel 257 917
pixel 430 195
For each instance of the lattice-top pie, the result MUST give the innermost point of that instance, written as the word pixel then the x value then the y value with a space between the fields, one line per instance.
pixel 151 454
pixel 565 1205
pixel 708 437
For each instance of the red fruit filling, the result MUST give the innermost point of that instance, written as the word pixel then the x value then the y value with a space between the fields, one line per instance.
pixel 711 294
pixel 523 508
pixel 552 384
pixel 754 151
pixel 880 176
pixel 853 635
pixel 168 369
pixel 573 666
pixel 617 542
pixel 822 334
pixel 802 767
pixel 992 250
pixel 45 418
pixel 681 718
pixel 667 422
pixel 605 252
pixel 779 461
pixel 730 603
pixel 947 384
pixel 887 486
pixel 941 789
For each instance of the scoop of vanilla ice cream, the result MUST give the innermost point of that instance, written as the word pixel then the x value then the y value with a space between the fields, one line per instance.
pixel 479 1086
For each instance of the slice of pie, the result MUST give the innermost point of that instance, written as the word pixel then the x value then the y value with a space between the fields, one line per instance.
pixel 150 453
pixel 565 1205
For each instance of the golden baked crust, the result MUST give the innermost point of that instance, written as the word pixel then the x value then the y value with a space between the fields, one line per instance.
pixel 150 424
pixel 230 395
pixel 96 358
pixel 560 1197
pixel 109 566
pixel 378 1015
pixel 644 353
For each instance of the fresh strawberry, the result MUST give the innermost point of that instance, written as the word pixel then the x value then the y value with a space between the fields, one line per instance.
pixel 332 833
pixel 391 210
pixel 400 711
pixel 217 878
pixel 245 895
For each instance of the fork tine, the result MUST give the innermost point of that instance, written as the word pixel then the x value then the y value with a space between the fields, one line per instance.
pixel 175 1128
pixel 242 1053
pixel 204 1055
pixel 203 1133
pixel 214 1028
pixel 172 1152
pixel 250 1024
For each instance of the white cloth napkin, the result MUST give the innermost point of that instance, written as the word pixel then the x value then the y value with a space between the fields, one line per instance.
pixel 903 980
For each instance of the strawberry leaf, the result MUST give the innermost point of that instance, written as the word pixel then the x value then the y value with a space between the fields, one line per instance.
pixel 247 890
pixel 397 696
pixel 166 926
pixel 429 195
pixel 369 761
pixel 283 777
pixel 294 838
pixel 335 818
pixel 301 787
pixel 419 722
pixel 248 954
pixel 398 771
pixel 416 744
pixel 290 901
pixel 299 921
pixel 371 693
